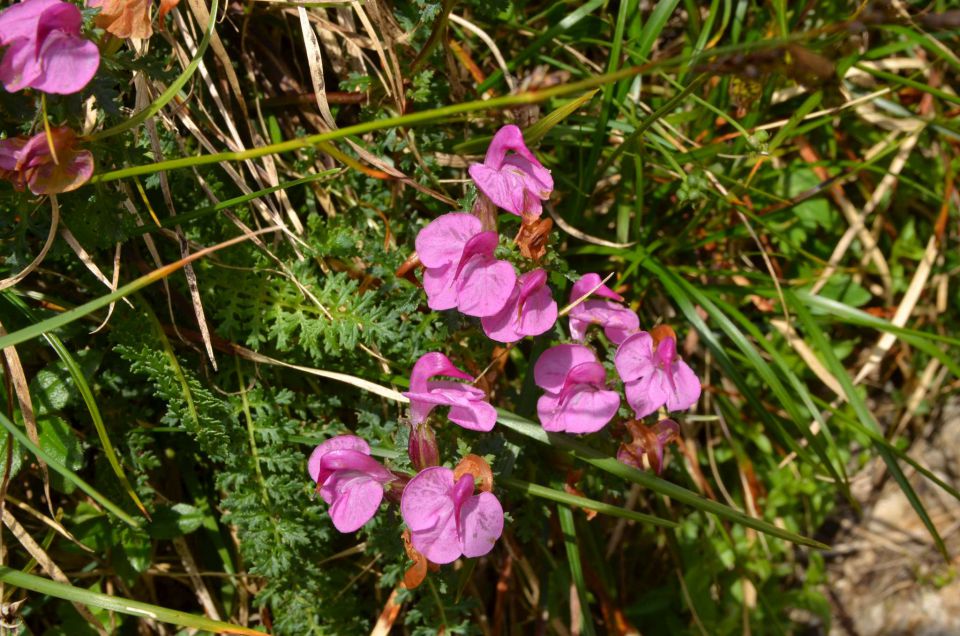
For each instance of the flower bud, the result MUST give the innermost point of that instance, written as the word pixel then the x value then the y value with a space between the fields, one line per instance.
pixel 422 447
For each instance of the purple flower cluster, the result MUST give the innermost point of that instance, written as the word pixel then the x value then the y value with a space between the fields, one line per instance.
pixel 445 516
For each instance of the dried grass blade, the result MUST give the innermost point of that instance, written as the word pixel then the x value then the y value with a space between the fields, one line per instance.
pixel 22 389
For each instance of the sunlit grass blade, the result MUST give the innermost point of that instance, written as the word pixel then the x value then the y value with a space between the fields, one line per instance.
pixel 75 594
pixel 655 484
pixel 65 472
pixel 824 348
pixel 55 322
pixel 575 501
pixel 569 529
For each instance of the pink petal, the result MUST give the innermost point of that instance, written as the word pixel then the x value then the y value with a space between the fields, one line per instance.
pixel 647 394
pixel 441 241
pixel 340 460
pixel 538 310
pixel 634 358
pixel 536 179
pixel 19 20
pixel 484 286
pixel 340 442
pixel 440 543
pixel 439 284
pixel 356 497
pixel 481 524
pixel 69 63
pixel 552 367
pixel 468 405
pixel 588 410
pixel 504 189
pixel 20 66
pixel 586 285
pixel 427 498
pixel 475 416
pixel 10 150
pixel 504 326
pixel 687 388
pixel 548 412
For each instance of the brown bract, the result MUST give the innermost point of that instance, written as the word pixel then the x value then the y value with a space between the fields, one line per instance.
pixel 479 468
pixel 131 18
pixel 533 237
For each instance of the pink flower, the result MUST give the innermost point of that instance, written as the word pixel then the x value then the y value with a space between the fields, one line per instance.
pixel 468 405
pixel 618 321
pixel 649 442
pixel 350 481
pixel 517 182
pixel 654 375
pixel 29 162
pixel 576 398
pixel 446 520
pixel 461 271
pixel 530 311
pixel 46 51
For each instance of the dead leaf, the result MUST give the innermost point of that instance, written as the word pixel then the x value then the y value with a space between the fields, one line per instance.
pixel 126 18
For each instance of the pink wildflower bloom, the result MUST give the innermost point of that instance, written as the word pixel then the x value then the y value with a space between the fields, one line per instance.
pixel 28 162
pixel 349 480
pixel 517 182
pixel 461 271
pixel 648 442
pixel 446 520
pixel 618 321
pixel 576 398
pixel 45 50
pixel 468 404
pixel 530 311
pixel 654 375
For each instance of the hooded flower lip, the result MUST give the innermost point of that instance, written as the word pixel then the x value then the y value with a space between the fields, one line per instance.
pixel 576 398
pixel 461 271
pixel 654 375
pixel 517 182
pixel 618 322
pixel 28 162
pixel 468 405
pixel 349 480
pixel 45 50
pixel 530 311
pixel 446 520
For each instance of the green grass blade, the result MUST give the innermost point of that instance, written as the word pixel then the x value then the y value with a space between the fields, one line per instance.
pixel 536 131
pixel 677 493
pixel 157 105
pixel 536 47
pixel 569 529
pixel 681 294
pixel 575 501
pixel 823 347
pixel 651 30
pixel 55 322
pixel 83 387
pixel 67 474
pixel 75 594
